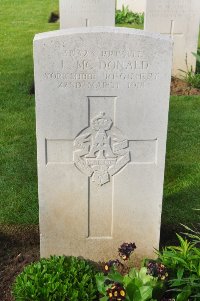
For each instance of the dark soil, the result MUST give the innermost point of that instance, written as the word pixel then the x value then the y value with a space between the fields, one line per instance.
pixel 180 87
pixel 32 89
pixel 54 17
pixel 168 234
pixel 19 246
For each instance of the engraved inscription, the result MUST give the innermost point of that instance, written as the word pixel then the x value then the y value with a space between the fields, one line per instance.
pixel 102 69
pixel 101 150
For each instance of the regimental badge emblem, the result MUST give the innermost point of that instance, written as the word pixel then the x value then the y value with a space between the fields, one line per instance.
pixel 101 151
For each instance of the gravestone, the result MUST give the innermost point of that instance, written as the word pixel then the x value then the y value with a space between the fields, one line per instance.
pixel 86 13
pixel 134 5
pixel 180 20
pixel 102 97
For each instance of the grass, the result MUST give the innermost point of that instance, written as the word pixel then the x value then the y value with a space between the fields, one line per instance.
pixel 19 201
pixel 136 26
pixel 182 174
pixel 19 22
pixel 199 41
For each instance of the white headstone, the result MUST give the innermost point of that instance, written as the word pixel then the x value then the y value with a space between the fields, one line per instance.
pixel 133 5
pixel 102 97
pixel 180 19
pixel 86 13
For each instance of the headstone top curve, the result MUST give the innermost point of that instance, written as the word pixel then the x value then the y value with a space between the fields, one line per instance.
pixel 100 29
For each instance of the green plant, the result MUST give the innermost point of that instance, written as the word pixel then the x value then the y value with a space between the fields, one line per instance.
pixel 197 55
pixel 128 17
pixel 129 286
pixel 134 286
pixel 193 234
pixel 183 264
pixel 59 278
pixel 186 287
pixel 190 76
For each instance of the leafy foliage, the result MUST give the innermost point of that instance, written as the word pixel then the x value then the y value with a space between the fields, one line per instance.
pixel 174 275
pixel 59 278
pixel 191 77
pixel 198 61
pixel 128 17
pixel 194 234
pixel 133 286
pixel 183 263
pixel 138 285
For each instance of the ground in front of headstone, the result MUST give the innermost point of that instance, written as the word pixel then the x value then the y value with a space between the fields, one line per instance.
pixel 180 87
pixel 19 246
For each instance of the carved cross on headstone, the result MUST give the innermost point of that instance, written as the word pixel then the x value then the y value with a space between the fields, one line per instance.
pixel 80 13
pixel 171 31
pixel 87 23
pixel 100 152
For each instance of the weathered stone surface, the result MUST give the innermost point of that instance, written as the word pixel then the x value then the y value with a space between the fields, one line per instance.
pixel 86 13
pixel 134 5
pixel 102 97
pixel 180 19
